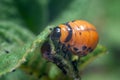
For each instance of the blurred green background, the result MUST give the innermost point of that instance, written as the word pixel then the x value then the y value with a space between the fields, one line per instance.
pixel 104 14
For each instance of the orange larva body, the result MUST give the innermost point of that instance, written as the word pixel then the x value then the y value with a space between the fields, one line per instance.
pixel 79 36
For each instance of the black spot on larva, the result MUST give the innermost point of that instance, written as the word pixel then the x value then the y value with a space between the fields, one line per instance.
pixel 6 51
pixel 69 29
pixel 80 33
pixel 84 47
pixel 75 49
pixel 90 49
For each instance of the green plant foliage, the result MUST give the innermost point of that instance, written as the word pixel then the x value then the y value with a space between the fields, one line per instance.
pixel 9 12
pixel 76 8
pixel 12 47
pixel 34 13
pixel 21 20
